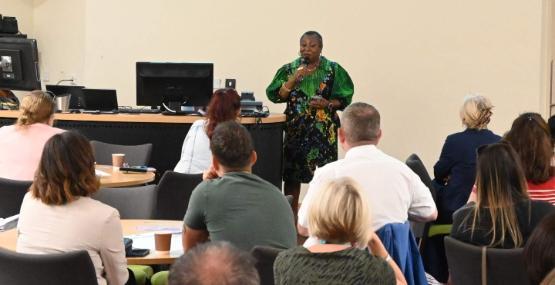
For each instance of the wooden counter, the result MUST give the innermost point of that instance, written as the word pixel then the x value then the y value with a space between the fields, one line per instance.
pixel 144 118
pixel 166 133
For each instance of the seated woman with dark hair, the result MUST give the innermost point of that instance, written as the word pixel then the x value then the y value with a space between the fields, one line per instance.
pixel 196 157
pixel 340 219
pixel 57 214
pixel 531 139
pixel 21 144
pixel 503 216
pixel 539 252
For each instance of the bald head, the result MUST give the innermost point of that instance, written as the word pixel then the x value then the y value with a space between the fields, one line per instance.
pixel 360 124
pixel 214 263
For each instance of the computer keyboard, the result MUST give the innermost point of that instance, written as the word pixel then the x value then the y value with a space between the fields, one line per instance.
pixel 138 111
pixel 182 113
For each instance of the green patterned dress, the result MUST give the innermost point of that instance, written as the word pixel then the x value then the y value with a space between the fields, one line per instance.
pixel 310 134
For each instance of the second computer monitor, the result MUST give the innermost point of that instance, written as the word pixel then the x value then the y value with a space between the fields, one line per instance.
pixel 174 84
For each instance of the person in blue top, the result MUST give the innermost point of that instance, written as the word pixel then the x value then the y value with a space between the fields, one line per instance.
pixel 455 171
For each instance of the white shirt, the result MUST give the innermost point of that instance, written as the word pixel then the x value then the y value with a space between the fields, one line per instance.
pixel 84 224
pixel 195 153
pixel 394 191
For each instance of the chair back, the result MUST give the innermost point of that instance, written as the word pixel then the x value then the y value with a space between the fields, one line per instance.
pixel 134 154
pixel 417 166
pixel 265 257
pixel 131 202
pixel 11 196
pixel 174 192
pixel 73 267
pixel 470 264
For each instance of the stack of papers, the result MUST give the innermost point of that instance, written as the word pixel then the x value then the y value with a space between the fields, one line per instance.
pixel 8 223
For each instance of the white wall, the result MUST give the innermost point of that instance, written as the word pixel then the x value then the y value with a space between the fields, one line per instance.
pixel 415 60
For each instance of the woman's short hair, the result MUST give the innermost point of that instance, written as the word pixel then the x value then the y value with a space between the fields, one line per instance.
pixel 476 112
pixel 500 184
pixel 341 213
pixel 36 107
pixel 531 139
pixel 314 34
pixel 224 106
pixel 66 170
pixel 539 252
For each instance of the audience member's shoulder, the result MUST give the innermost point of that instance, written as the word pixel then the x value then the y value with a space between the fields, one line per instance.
pixel 542 206
pixel 7 129
pixel 100 209
pixel 199 123
pixel 293 252
pixel 463 211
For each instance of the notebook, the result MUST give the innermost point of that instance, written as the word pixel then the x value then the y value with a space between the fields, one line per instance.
pixel 100 100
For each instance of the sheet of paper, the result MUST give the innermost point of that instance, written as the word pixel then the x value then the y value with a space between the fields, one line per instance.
pixel 8 222
pixel 147 241
pixel 101 173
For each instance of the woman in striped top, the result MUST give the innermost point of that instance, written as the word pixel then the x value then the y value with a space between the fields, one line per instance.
pixel 531 138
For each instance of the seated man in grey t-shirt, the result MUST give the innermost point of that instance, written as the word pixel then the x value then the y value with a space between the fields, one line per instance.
pixel 234 205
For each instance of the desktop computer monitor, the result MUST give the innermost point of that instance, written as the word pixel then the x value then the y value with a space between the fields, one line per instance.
pixel 19 64
pixel 174 84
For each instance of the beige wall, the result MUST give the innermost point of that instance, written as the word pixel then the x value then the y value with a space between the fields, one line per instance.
pixel 415 60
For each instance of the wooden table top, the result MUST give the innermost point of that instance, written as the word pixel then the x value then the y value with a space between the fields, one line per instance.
pixel 122 179
pixel 8 239
pixel 143 118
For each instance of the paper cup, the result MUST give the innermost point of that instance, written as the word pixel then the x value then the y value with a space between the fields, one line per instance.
pixel 162 242
pixel 118 159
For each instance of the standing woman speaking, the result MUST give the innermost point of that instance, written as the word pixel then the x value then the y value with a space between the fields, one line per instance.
pixel 314 88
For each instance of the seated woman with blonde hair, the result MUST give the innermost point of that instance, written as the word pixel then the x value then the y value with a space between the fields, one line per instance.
pixel 21 144
pixel 455 171
pixel 340 219
pixel 58 215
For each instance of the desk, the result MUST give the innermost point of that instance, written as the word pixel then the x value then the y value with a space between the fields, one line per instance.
pixel 122 179
pixel 166 133
pixel 8 240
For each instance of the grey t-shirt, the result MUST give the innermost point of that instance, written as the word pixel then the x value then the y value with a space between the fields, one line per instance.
pixel 243 209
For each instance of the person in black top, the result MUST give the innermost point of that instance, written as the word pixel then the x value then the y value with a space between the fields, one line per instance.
pixel 503 216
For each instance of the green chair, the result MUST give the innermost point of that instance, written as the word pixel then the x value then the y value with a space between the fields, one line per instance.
pixel 160 278
pixel 142 273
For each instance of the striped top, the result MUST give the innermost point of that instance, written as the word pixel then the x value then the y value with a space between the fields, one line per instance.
pixel 544 191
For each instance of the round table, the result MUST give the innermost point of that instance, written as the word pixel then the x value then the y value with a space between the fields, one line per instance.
pixel 112 177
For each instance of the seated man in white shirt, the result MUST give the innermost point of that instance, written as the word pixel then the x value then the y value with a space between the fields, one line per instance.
pixel 395 192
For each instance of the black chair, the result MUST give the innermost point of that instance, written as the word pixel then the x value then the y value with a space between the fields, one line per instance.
pixel 73 267
pixel 174 191
pixel 11 196
pixel 134 154
pixel 470 264
pixel 265 257
pixel 131 202
pixel 415 164
pixel 430 235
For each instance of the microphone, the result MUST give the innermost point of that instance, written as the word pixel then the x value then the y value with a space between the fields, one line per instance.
pixel 304 60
